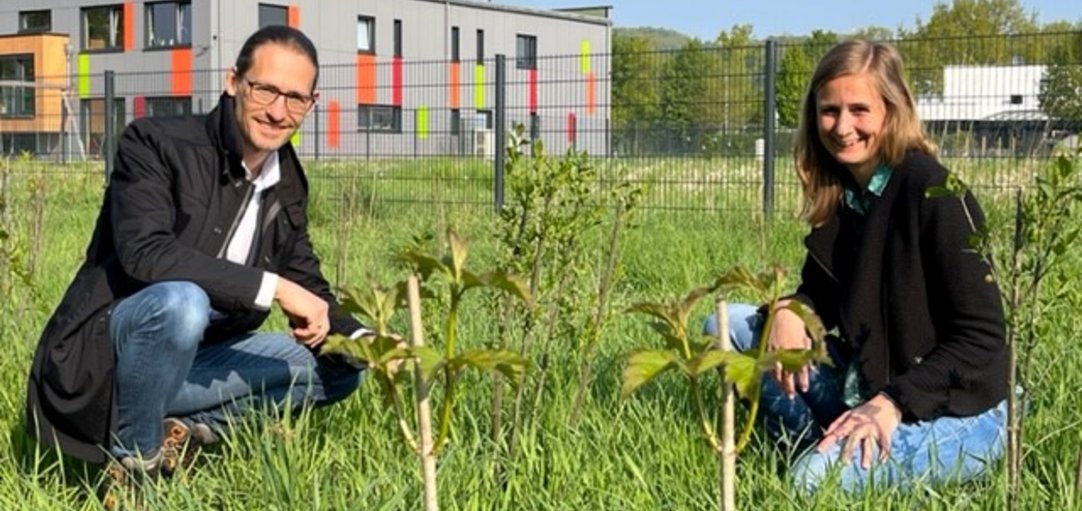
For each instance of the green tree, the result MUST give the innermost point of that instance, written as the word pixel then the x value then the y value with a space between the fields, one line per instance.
pixel 736 96
pixel 873 33
pixel 967 32
pixel 794 72
pixel 1061 92
pixel 687 77
pixel 636 98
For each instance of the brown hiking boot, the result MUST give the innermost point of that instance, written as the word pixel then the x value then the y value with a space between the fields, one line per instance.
pixel 181 441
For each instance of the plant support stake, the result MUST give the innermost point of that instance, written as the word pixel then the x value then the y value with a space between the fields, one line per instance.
pixel 424 410
pixel 728 416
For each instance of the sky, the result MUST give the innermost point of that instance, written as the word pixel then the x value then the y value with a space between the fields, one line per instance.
pixel 706 18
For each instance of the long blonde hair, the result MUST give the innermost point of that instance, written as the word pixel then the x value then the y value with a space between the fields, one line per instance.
pixel 819 172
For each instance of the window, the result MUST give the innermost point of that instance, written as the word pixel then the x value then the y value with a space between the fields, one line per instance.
pixel 398 38
pixel 1016 99
pixel 526 51
pixel 455 56
pixel 484 119
pixel 480 46
pixel 169 24
pixel 273 15
pixel 168 106
pixel 456 121
pixel 103 27
pixel 35 21
pixel 380 118
pixel 17 101
pixel 366 34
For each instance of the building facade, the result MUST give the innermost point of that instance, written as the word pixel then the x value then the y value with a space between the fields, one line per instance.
pixel 398 77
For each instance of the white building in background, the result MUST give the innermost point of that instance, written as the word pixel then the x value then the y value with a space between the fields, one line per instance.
pixel 986 93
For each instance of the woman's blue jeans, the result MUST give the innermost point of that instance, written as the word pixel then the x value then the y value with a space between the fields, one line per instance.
pixel 947 449
pixel 163 368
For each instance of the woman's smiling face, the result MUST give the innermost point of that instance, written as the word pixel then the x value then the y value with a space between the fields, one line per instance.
pixel 852 119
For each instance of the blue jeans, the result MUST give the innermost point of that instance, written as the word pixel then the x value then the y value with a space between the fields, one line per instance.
pixel 163 369
pixel 947 449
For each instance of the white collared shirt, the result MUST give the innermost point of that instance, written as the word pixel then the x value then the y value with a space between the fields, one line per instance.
pixel 240 245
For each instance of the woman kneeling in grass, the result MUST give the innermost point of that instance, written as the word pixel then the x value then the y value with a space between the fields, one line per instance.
pixel 918 387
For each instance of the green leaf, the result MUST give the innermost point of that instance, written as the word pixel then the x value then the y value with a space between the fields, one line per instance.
pixel 740 370
pixel 657 310
pixel 508 363
pixel 936 192
pixel 689 301
pixel 740 277
pixel 429 360
pixel 710 359
pixel 644 366
pixel 791 360
pixel 459 252
pixel 499 280
pixel 424 264
pixel 509 283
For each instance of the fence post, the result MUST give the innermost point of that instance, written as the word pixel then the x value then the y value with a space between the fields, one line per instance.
pixel 109 143
pixel 770 109
pixel 501 131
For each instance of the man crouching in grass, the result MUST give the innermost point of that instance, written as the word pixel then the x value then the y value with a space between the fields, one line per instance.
pixel 203 225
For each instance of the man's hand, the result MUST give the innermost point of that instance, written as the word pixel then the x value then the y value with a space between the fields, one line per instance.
pixel 787 333
pixel 306 311
pixel 870 423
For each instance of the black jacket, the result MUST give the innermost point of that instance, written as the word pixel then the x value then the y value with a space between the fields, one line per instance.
pixel 914 302
pixel 177 190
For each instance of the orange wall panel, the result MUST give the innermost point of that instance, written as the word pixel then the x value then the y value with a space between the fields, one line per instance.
pixel 454 89
pixel 50 71
pixel 129 26
pixel 293 16
pixel 181 72
pixel 366 79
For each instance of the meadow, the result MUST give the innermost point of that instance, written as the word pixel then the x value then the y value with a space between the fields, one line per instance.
pixel 644 452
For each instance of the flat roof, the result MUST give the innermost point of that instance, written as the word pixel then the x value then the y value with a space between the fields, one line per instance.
pixel 567 13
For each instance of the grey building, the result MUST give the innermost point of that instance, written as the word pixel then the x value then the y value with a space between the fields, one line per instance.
pixel 398 77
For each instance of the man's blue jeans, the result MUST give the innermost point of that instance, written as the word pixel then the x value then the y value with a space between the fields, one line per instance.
pixel 163 369
pixel 947 449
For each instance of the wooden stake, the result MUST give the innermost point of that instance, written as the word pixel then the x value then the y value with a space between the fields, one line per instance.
pixel 727 425
pixel 424 410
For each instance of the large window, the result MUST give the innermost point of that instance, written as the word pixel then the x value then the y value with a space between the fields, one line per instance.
pixel 169 24
pixel 526 51
pixel 35 21
pixel 273 15
pixel 366 34
pixel 386 118
pixel 17 101
pixel 103 27
pixel 168 106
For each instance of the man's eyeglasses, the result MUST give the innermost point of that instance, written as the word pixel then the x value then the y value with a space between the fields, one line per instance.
pixel 265 94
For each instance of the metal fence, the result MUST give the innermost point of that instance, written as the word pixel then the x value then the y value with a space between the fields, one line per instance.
pixel 701 128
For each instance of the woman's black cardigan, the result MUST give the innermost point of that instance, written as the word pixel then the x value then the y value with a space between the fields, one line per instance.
pixel 913 301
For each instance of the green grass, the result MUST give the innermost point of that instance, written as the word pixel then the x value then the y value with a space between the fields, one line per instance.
pixel 644 452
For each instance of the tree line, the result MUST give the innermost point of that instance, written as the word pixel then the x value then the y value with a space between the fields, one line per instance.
pixel 707 96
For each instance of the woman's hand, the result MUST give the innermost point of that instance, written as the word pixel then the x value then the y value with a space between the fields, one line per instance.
pixel 870 423
pixel 788 333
